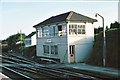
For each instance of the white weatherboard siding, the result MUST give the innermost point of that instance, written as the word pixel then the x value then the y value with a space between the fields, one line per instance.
pixel 83 43
pixel 53 41
pixel 71 43
pixel 30 41
pixel 90 31
pixel 83 51
pixel 60 41
pixel 33 40
pixel 63 53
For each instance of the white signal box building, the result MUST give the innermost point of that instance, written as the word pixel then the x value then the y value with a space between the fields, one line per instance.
pixel 68 37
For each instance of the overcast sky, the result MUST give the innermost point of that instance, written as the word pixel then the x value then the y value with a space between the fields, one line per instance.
pixel 24 14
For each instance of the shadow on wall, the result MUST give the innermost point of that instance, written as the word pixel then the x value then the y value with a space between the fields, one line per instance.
pixel 83 49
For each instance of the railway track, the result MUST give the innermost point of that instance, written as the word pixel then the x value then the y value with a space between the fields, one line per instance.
pixel 50 73
pixel 35 70
pixel 14 75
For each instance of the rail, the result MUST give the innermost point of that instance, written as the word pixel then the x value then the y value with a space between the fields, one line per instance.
pixel 48 72
pixel 15 74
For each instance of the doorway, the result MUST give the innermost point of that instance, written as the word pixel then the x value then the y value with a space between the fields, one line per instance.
pixel 72 53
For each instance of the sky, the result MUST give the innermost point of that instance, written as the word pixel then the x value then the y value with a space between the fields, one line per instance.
pixel 16 15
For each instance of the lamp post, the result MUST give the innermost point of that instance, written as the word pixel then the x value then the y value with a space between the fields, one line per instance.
pixel 104 40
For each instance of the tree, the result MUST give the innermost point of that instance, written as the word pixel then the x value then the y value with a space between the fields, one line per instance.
pixel 98 30
pixel 13 39
pixel 115 25
pixel 107 28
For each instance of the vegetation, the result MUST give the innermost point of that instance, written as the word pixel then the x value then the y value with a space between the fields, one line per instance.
pixel 13 43
pixel 112 48
pixel 98 30
pixel 115 25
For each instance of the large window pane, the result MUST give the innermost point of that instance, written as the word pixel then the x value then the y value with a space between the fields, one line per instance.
pixel 54 49
pixel 59 28
pixel 45 31
pixel 73 29
pixel 52 31
pixel 28 42
pixel 40 32
pixel 46 49
pixel 79 31
pixel 83 31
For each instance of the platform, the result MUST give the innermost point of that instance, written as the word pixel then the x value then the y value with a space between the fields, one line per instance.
pixel 82 66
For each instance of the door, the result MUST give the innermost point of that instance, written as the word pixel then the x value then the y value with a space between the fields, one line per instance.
pixel 72 53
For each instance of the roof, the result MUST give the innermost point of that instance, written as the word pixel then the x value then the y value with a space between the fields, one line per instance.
pixel 68 16
pixel 31 34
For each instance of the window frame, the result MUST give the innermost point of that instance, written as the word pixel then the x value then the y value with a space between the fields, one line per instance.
pixel 77 29
pixel 59 27
pixel 46 49
pixel 51 49
pixel 54 49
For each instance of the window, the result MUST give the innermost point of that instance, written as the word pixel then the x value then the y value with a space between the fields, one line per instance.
pixel 76 29
pixel 45 31
pixel 59 28
pixel 28 42
pixel 81 29
pixel 54 49
pixel 40 32
pixel 64 30
pixel 50 49
pixel 46 49
pixel 72 29
pixel 52 31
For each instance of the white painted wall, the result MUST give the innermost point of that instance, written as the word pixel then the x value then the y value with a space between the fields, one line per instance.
pixel 33 41
pixel 60 41
pixel 33 38
pixel 54 41
pixel 63 53
pixel 83 51
pixel 83 43
pixel 90 31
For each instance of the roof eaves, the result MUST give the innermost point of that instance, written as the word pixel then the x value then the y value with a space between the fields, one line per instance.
pixel 83 18
pixel 54 19
pixel 31 34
